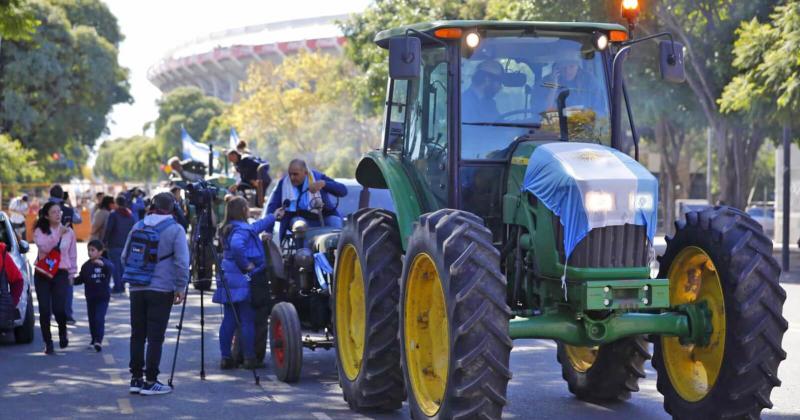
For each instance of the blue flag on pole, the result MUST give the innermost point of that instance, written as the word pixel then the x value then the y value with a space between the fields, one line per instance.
pixel 234 140
pixel 194 150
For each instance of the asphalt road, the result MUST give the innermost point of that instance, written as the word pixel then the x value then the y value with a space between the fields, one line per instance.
pixel 79 383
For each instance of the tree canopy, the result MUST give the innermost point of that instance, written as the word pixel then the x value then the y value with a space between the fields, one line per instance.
pixel 186 107
pixel 16 22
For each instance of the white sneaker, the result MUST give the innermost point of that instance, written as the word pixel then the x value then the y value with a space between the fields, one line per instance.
pixel 155 388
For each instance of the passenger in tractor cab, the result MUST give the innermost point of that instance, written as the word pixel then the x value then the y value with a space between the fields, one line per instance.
pixel 300 190
pixel 567 75
pixel 250 169
pixel 478 104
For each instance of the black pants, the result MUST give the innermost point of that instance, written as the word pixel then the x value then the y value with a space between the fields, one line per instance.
pixel 52 297
pixel 149 317
pixel 97 308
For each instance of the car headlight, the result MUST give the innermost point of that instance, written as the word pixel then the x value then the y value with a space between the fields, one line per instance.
pixel 643 201
pixel 597 202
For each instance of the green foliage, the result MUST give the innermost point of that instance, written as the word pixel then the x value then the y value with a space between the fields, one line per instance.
pixel 17 163
pixel 129 159
pixel 16 23
pixel 58 86
pixel 188 107
pixel 92 13
pixel 766 54
pixel 299 109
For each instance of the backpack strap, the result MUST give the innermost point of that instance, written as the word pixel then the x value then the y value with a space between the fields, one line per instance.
pixel 161 227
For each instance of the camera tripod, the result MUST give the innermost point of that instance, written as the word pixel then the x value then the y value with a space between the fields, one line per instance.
pixel 202 237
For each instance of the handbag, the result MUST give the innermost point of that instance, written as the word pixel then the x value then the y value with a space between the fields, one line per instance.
pixel 8 312
pixel 49 264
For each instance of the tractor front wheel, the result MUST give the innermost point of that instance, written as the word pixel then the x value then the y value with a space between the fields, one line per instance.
pixel 604 373
pixel 454 319
pixel 286 342
pixel 721 257
pixel 365 296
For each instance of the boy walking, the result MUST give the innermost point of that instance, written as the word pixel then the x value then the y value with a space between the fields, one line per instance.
pixel 156 259
pixel 95 275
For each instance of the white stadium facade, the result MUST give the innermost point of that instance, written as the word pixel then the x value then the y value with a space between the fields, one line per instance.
pixel 218 62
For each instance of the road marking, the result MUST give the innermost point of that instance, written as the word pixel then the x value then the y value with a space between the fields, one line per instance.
pixel 125 406
pixel 109 359
pixel 116 379
pixel 321 416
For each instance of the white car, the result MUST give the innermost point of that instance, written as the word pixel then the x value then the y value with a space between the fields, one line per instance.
pixel 24 325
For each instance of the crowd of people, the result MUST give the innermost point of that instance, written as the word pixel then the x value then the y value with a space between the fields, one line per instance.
pixel 142 244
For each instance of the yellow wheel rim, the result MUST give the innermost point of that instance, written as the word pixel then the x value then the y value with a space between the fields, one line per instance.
pixel 581 358
pixel 693 370
pixel 350 312
pixel 427 337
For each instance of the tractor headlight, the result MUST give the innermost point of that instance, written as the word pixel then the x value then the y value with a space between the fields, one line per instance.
pixel 598 202
pixel 643 201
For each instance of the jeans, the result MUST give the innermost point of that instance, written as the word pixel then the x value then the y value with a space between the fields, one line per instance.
pixel 149 317
pixel 228 328
pixel 115 255
pixel 52 297
pixel 68 308
pixel 97 309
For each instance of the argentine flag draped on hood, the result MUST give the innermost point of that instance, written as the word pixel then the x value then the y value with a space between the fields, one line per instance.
pixel 592 186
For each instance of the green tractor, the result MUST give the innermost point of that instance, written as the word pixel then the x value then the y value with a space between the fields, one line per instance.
pixel 519 215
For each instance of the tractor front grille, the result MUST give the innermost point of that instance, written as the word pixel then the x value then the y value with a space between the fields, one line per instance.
pixel 608 247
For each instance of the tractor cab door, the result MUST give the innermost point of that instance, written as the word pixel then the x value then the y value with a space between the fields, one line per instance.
pixel 417 128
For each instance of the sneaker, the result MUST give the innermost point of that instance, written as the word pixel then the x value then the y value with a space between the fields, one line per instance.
pixel 155 388
pixel 63 342
pixel 97 347
pixel 136 385
pixel 227 363
pixel 48 347
pixel 71 321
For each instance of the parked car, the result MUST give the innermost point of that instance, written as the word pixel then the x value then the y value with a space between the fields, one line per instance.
pixel 23 326
pixel 765 216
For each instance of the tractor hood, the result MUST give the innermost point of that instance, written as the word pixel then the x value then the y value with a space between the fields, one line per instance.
pixel 590 186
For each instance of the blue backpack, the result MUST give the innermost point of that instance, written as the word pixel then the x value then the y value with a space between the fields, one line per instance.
pixel 142 256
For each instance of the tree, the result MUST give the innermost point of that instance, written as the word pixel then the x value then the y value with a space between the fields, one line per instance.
pixel 303 108
pixel 59 86
pixel 16 23
pixel 129 159
pixel 186 107
pixel 17 164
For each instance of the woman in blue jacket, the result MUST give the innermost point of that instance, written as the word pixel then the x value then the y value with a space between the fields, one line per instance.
pixel 243 258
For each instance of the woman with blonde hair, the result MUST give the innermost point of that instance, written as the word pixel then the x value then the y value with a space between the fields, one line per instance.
pixel 243 262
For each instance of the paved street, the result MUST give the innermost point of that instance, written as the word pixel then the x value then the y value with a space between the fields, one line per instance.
pixel 78 383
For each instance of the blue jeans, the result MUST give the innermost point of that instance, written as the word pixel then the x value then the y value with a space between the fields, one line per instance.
pixel 97 317
pixel 68 307
pixel 115 255
pixel 228 328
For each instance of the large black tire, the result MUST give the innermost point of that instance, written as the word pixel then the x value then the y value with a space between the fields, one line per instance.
pixel 753 306
pixel 378 385
pixel 24 333
pixel 474 293
pixel 614 373
pixel 286 342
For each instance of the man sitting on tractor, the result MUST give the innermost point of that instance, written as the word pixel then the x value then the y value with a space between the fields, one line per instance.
pixel 478 99
pixel 301 193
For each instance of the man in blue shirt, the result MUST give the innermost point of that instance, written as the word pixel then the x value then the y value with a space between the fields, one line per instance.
pixel 298 192
pixel 478 104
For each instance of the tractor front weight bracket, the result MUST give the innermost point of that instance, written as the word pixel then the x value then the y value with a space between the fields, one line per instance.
pixel 689 322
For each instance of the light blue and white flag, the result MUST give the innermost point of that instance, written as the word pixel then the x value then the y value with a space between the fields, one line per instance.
pixel 194 150
pixel 234 139
pixel 590 186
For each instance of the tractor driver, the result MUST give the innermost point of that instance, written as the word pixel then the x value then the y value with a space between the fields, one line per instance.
pixel 299 192
pixel 477 102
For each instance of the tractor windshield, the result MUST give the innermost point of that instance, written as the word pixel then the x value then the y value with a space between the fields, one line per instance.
pixel 541 85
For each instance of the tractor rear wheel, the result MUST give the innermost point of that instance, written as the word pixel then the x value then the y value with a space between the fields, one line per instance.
pixel 604 373
pixel 722 257
pixel 286 342
pixel 454 319
pixel 365 318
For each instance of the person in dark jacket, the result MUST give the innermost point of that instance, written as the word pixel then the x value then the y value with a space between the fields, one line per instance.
pixel 243 262
pixel 119 225
pixel 95 275
pixel 251 169
pixel 298 190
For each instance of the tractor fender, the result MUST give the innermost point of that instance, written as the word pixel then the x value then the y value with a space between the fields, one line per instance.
pixel 381 171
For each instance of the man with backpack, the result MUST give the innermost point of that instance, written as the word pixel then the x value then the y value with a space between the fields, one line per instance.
pixel 156 265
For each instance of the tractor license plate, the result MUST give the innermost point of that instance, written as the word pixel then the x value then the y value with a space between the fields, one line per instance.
pixel 627 294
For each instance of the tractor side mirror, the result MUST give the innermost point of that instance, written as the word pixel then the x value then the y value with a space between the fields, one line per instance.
pixel 404 57
pixel 671 63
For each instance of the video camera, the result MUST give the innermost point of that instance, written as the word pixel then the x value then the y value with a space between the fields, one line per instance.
pixel 201 194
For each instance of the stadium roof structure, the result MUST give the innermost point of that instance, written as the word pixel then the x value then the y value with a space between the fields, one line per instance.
pixel 217 62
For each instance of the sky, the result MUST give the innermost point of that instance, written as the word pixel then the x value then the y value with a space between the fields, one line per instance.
pixel 152 28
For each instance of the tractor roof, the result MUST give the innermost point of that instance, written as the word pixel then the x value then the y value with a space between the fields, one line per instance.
pixel 382 38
